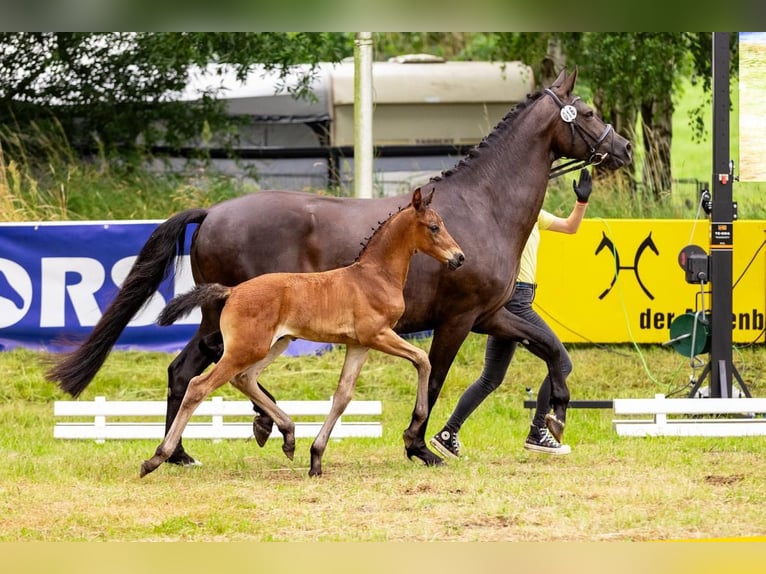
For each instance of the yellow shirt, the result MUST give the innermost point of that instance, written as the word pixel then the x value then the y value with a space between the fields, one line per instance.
pixel 528 263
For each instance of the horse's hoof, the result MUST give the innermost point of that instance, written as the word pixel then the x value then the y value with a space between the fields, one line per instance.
pixel 555 426
pixel 289 451
pixel 423 455
pixel 183 459
pixel 313 473
pixel 261 430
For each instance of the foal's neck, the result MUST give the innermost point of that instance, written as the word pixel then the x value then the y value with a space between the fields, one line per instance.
pixel 391 247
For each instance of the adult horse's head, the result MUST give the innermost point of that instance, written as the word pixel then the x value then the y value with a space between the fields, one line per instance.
pixel 580 134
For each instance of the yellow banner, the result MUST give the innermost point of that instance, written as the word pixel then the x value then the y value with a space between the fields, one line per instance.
pixel 619 280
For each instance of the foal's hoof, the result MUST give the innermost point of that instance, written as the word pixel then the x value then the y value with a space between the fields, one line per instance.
pixel 423 455
pixel 146 468
pixel 555 426
pixel 262 429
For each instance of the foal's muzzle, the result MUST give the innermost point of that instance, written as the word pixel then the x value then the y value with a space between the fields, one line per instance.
pixel 456 261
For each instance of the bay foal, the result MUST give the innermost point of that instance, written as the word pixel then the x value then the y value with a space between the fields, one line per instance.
pixel 356 306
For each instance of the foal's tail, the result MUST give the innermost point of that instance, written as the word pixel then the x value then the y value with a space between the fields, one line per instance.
pixel 200 295
pixel 75 370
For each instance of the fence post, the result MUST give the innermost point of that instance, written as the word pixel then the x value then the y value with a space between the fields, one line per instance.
pixel 99 422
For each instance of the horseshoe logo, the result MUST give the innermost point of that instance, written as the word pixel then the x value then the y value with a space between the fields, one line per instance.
pixel 606 243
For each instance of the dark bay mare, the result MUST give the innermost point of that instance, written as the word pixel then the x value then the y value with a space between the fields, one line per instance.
pixel 489 201
pixel 356 306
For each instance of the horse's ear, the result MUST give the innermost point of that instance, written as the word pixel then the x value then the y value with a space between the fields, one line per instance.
pixel 560 80
pixel 427 199
pixel 417 199
pixel 569 84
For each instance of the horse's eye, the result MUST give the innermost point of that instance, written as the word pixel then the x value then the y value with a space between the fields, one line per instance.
pixel 434 228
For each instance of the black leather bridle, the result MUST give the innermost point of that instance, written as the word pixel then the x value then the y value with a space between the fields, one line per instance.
pixel 569 114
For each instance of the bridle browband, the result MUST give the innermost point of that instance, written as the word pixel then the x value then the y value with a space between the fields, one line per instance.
pixel 569 115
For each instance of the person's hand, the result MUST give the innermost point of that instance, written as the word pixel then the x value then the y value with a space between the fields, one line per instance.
pixel 583 187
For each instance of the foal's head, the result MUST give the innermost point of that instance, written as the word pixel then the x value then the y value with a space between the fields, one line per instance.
pixel 431 236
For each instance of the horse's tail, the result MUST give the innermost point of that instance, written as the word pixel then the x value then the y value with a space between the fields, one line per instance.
pixel 200 295
pixel 75 370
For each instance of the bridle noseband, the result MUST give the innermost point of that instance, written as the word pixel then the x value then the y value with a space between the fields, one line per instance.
pixel 569 115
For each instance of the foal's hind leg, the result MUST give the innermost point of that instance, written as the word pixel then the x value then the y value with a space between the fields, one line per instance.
pixel 247 383
pixel 188 364
pixel 211 345
pixel 355 358
pixel 199 388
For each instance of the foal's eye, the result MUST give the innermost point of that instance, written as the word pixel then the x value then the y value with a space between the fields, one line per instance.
pixel 434 228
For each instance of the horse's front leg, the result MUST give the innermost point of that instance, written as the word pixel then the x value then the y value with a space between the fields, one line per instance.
pixel 446 342
pixel 352 365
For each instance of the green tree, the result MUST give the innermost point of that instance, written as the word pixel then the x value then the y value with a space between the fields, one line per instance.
pixel 121 89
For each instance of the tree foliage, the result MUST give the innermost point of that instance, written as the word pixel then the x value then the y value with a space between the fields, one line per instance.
pixel 121 89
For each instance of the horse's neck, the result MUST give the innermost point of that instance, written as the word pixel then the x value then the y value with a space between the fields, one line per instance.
pixel 508 173
pixel 390 249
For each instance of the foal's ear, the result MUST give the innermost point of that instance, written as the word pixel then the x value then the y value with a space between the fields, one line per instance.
pixel 417 199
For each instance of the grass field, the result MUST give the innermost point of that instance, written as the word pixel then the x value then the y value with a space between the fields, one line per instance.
pixel 609 489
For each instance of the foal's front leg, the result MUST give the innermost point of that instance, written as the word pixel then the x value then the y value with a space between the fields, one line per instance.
pixel 352 364
pixel 391 343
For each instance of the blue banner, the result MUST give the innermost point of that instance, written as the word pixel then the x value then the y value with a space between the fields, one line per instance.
pixel 56 280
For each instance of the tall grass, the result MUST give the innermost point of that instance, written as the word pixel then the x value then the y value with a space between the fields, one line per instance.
pixel 43 179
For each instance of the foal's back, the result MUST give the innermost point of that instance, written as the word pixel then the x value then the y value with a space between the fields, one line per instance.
pixel 323 306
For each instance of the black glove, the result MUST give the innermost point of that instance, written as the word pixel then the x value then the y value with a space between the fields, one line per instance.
pixel 583 187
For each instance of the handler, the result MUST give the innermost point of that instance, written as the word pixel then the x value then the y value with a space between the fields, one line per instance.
pixel 546 430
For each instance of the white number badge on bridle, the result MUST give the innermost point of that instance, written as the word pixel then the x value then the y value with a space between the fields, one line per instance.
pixel 568 113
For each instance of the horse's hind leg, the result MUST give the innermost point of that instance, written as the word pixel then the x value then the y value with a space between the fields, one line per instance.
pixel 355 358
pixel 199 388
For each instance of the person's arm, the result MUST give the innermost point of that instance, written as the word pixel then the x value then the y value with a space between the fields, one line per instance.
pixel 582 190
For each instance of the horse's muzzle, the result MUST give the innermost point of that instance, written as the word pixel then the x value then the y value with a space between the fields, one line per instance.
pixel 456 261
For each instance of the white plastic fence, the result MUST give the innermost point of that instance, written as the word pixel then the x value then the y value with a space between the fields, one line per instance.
pixel 100 419
pixel 661 416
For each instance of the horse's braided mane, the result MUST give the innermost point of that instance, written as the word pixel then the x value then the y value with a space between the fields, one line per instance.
pixel 503 125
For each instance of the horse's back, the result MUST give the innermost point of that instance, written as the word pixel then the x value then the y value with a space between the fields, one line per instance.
pixel 283 231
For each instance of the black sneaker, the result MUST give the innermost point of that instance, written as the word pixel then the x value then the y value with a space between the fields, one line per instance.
pixel 555 426
pixel 540 439
pixel 446 443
